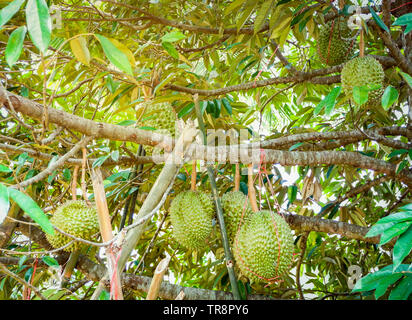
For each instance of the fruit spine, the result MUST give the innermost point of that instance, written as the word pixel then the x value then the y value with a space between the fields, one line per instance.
pixel 236 210
pixel 191 214
pixel 363 72
pixel 77 219
pixel 263 247
pixel 334 45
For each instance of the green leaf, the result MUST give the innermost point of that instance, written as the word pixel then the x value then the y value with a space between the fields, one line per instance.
pixel 292 192
pixel 39 23
pixel 378 20
pixel 29 206
pixel 296 145
pixel 28 274
pixel 246 13
pixel 99 161
pixel 15 45
pixel 331 100
pixel 396 217
pixel 115 155
pixel 407 78
pixel 401 166
pixel 402 247
pixel 66 174
pixel 115 55
pixel 403 290
pixel 9 11
pixel 397 152
pixel 394 231
pixel 389 96
pixel 379 228
pixel 235 4
pixel 227 105
pixel 104 295
pixel 360 95
pixel 170 49
pixel 371 280
pixel 405 20
pixel 3 168
pixel 384 283
pixel 50 261
pixel 173 36
pixel 126 123
pixel 22 260
pixel 218 108
pixel 328 102
pixel 319 107
pixel 4 202
pixel 186 110
pixel 407 207
pixel 210 109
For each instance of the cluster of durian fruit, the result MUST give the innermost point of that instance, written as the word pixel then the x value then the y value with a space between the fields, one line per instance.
pixel 336 45
pixel 262 242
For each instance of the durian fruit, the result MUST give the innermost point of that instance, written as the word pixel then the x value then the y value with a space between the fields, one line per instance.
pixel 77 219
pixel 363 71
pixel 158 116
pixel 333 44
pixel 191 214
pixel 263 247
pixel 236 210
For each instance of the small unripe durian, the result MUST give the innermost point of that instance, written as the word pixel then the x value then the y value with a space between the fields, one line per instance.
pixel 77 219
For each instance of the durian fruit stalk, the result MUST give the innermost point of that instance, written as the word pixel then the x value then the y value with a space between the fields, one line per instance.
pixel 364 72
pixel 334 45
pixel 263 247
pixel 76 218
pixel 191 214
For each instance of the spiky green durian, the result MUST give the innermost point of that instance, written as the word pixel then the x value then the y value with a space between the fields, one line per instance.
pixel 236 210
pixel 363 72
pixel 334 45
pixel 191 214
pixel 263 247
pixel 77 219
pixel 160 117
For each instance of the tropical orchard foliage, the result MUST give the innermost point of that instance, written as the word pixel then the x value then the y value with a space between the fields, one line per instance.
pixel 255 66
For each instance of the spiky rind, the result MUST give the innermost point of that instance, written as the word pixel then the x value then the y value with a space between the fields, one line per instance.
pixel 263 247
pixel 77 219
pixel 334 45
pixel 191 214
pixel 160 117
pixel 363 71
pixel 236 209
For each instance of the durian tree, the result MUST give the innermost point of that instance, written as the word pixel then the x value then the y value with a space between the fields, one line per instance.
pixel 323 90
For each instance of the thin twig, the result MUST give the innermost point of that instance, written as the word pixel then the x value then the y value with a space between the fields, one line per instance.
pixel 22 281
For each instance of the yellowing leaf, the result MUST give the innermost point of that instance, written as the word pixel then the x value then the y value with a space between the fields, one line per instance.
pixel 80 50
pixel 262 15
pixel 125 50
pixel 233 6
pixel 277 31
pixel 284 36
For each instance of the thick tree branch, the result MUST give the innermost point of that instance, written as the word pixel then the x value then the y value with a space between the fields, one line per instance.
pixel 86 126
